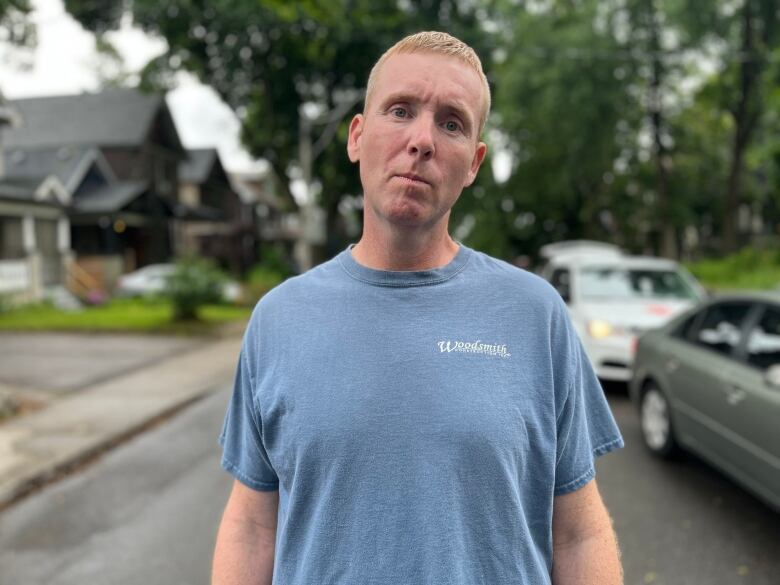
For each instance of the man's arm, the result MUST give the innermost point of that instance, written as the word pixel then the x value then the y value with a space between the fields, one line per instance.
pixel 246 540
pixel 585 549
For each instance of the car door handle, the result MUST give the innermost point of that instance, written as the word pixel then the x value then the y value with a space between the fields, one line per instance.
pixel 734 395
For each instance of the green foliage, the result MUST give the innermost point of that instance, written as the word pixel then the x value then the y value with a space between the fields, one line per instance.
pixel 194 283
pixel 15 26
pixel 749 268
pixel 136 315
pixel 260 281
pixel 621 115
pixel 270 272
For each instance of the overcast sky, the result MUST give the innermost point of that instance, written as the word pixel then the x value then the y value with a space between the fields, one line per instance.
pixel 65 62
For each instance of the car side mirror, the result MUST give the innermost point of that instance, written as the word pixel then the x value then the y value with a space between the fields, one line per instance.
pixel 772 376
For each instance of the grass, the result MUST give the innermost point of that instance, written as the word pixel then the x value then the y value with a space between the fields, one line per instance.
pixel 747 269
pixel 121 315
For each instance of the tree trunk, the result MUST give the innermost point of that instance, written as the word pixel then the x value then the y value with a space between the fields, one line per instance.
pixel 663 160
pixel 745 118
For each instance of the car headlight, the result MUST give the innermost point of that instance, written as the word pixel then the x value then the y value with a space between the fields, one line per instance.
pixel 599 329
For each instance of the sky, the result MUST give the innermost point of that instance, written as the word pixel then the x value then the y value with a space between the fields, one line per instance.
pixel 65 62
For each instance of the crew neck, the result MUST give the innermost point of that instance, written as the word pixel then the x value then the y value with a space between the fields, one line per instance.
pixel 401 278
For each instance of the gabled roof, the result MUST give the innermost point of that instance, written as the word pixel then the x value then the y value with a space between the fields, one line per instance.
pixel 23 190
pixel 197 167
pixel 109 197
pixel 68 163
pixel 115 117
pixel 47 190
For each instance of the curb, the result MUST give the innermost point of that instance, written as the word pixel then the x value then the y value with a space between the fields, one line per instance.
pixel 40 447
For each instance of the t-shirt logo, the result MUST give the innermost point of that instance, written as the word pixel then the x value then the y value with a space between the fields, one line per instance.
pixel 490 349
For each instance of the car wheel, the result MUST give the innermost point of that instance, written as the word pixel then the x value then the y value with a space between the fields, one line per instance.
pixel 656 422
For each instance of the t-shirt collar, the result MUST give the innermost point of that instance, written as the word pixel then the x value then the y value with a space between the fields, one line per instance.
pixel 403 278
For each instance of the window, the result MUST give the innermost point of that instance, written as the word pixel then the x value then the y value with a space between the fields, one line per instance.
pixel 763 343
pixel 630 283
pixel 561 280
pixel 721 328
pixel 684 329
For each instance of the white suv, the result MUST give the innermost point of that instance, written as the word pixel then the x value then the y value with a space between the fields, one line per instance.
pixel 613 298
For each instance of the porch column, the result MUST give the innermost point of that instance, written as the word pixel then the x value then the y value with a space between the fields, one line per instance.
pixel 28 234
pixel 63 235
pixel 34 261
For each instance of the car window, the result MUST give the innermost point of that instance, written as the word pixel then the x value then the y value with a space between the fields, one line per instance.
pixel 721 327
pixel 763 343
pixel 684 329
pixel 561 280
pixel 622 283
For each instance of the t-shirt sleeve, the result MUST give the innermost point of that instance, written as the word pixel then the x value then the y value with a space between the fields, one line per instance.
pixel 586 428
pixel 243 453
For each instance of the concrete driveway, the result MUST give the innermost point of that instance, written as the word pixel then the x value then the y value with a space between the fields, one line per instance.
pixel 56 363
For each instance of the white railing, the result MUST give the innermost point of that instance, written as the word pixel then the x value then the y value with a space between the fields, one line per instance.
pixel 14 276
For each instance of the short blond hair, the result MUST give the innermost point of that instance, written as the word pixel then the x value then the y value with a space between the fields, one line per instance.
pixel 440 43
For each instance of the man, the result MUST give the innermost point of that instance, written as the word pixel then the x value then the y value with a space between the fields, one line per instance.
pixel 414 412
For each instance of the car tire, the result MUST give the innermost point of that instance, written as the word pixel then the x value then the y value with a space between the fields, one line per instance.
pixel 655 420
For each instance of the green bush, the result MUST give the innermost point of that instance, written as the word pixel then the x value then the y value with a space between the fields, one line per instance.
pixel 749 268
pixel 194 283
pixel 261 279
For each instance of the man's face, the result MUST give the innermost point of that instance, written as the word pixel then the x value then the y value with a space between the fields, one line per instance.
pixel 417 141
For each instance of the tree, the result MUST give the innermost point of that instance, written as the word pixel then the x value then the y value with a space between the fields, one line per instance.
pixel 571 123
pixel 267 58
pixel 15 26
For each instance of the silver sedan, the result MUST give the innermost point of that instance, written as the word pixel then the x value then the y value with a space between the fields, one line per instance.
pixel 709 382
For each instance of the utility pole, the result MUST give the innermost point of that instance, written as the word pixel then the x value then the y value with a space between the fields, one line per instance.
pixel 312 220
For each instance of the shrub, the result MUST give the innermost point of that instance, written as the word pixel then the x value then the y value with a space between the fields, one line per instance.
pixel 748 268
pixel 194 283
pixel 261 279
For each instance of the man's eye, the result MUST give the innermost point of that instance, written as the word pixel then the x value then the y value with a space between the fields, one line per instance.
pixel 399 112
pixel 452 126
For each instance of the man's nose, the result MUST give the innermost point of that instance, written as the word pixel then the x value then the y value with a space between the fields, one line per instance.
pixel 421 142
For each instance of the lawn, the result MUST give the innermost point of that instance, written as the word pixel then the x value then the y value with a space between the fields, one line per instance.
pixel 747 269
pixel 129 315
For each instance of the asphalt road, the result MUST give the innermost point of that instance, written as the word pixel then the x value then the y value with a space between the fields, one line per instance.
pixel 682 522
pixel 144 514
pixel 147 514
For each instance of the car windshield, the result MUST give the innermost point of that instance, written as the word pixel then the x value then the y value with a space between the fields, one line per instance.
pixel 627 284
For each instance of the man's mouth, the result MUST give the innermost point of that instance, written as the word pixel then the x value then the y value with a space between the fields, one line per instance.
pixel 412 179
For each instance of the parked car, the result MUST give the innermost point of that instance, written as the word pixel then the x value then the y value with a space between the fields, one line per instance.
pixel 613 298
pixel 709 382
pixel 152 280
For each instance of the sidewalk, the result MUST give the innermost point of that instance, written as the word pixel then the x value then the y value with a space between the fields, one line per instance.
pixel 36 447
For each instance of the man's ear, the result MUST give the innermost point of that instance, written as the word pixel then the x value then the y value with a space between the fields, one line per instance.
pixel 355 132
pixel 476 162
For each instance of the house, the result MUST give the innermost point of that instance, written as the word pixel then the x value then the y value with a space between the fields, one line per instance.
pixel 34 237
pixel 117 154
pixel 211 220
pixel 277 224
pixel 34 228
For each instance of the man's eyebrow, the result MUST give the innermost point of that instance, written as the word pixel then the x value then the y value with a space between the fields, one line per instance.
pixel 400 97
pixel 454 107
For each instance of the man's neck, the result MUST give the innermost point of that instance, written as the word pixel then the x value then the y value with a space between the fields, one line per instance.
pixel 405 251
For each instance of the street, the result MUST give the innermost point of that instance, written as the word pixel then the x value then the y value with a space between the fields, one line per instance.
pixel 144 513
pixel 148 511
pixel 682 522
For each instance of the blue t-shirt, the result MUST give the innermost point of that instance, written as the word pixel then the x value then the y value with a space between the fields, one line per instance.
pixel 416 424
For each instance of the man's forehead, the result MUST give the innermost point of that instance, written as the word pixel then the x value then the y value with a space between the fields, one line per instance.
pixel 399 76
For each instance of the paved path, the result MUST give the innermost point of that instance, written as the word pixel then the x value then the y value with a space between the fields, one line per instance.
pixel 43 363
pixel 36 447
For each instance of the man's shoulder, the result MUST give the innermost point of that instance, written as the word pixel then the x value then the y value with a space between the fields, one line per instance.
pixel 303 287
pixel 498 273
